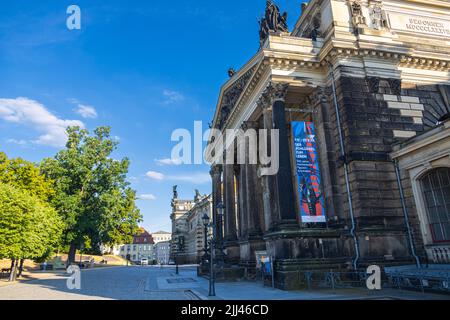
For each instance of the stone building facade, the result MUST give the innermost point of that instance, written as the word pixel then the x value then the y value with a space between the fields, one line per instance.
pixel 142 247
pixel 179 218
pixel 189 229
pixel 369 75
pixel 162 251
pixel 160 236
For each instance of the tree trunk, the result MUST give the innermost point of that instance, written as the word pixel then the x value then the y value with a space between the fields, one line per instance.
pixel 21 267
pixel 71 255
pixel 12 263
pixel 13 274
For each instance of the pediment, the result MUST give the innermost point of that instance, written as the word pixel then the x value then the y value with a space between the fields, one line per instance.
pixel 232 91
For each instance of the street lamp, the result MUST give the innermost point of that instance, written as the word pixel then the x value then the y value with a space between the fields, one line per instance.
pixel 205 219
pixel 219 235
pixel 216 228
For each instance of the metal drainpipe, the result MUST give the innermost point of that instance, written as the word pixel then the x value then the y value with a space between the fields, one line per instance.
pixel 405 213
pixel 347 183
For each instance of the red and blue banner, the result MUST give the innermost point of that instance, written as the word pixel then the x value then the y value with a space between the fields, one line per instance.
pixel 312 208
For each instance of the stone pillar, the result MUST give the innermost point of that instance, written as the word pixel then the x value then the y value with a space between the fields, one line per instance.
pixel 253 188
pixel 284 184
pixel 216 175
pixel 326 150
pixel 268 182
pixel 229 202
pixel 237 201
pixel 242 185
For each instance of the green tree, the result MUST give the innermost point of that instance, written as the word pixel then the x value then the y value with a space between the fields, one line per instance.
pixel 29 227
pixel 91 191
pixel 25 176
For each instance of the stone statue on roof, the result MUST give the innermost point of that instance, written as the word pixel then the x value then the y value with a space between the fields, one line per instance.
pixel 175 192
pixel 273 21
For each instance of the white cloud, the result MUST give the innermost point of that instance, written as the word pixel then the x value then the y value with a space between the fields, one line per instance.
pixel 86 111
pixel 172 96
pixel 20 142
pixel 149 197
pixel 194 178
pixel 83 110
pixel 169 162
pixel 155 175
pixel 35 115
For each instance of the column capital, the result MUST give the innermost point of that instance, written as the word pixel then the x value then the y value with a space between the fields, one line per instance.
pixel 277 91
pixel 249 125
pixel 264 102
pixel 216 170
pixel 317 96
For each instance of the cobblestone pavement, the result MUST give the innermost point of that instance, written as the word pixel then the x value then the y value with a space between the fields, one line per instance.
pixel 153 283
pixel 124 283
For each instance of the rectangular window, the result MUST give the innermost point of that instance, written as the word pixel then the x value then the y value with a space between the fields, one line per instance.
pixel 436 191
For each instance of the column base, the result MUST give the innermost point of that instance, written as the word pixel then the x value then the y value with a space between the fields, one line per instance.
pixel 232 251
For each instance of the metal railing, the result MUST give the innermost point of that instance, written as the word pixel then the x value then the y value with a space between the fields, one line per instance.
pixel 334 280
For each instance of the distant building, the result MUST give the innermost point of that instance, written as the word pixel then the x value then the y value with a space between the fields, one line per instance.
pixel 188 240
pixel 195 243
pixel 162 251
pixel 180 209
pixel 141 248
pixel 161 236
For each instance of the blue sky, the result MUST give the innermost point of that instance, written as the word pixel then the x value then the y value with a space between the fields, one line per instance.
pixel 145 68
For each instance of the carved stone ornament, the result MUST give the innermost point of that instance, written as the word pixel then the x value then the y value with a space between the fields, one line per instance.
pixel 280 91
pixel 273 21
pixel 216 170
pixel 246 125
pixel 396 86
pixel 378 17
pixel 374 84
pixel 358 19
pixel 265 101
pixel 231 96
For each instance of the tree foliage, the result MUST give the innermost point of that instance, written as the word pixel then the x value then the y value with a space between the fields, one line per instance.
pixel 91 191
pixel 25 176
pixel 29 227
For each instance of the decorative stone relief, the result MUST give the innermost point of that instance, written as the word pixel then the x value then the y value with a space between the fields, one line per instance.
pixel 231 96
pixel 280 91
pixel 378 17
pixel 396 86
pixel 374 84
pixel 358 19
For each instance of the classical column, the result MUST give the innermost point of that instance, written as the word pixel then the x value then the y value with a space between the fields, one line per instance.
pixel 284 184
pixel 268 182
pixel 242 200
pixel 216 175
pixel 326 151
pixel 229 202
pixel 237 170
pixel 252 186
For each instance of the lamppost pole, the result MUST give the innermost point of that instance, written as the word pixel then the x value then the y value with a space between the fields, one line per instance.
pixel 214 241
pixel 205 219
pixel 212 289
pixel 176 256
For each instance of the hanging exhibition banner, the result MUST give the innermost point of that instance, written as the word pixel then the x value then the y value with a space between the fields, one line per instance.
pixel 308 173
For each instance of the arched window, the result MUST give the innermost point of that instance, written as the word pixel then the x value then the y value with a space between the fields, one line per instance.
pixel 436 189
